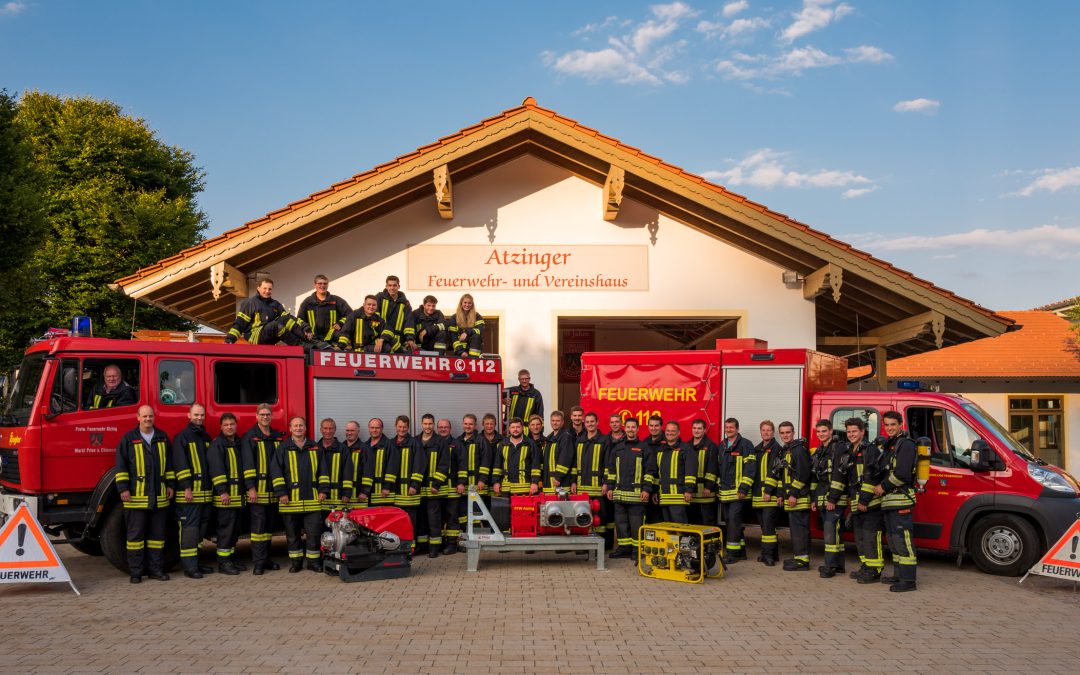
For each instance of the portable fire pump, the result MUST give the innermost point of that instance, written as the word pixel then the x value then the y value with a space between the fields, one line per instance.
pixel 561 513
pixel 368 544
pixel 676 552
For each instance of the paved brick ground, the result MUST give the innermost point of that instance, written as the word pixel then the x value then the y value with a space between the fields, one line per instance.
pixel 541 613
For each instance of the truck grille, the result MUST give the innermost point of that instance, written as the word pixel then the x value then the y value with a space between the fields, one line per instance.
pixel 9 472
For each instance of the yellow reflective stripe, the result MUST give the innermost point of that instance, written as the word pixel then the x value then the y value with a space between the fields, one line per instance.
pixel 140 471
pixel 295 477
pixel 637 472
pixel 233 471
pixel 528 409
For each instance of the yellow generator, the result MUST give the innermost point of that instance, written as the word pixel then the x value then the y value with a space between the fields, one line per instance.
pixel 677 552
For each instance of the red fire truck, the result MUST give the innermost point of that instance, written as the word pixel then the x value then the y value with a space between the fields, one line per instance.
pixel 57 452
pixel 1003 509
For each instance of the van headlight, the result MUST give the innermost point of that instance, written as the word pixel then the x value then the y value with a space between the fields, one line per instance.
pixel 1052 480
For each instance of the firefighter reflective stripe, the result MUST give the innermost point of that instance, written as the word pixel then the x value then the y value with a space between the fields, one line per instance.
pixel 294 496
pixel 261 487
pixel 878 561
pixel 140 470
pixel 768 539
pixel 136 545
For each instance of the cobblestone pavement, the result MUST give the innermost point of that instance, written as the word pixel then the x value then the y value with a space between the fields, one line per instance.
pixel 539 613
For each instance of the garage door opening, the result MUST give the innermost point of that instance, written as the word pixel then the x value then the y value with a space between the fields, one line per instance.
pixel 626 334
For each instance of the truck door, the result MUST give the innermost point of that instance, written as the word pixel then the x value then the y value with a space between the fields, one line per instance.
pixel 951 481
pixel 176 387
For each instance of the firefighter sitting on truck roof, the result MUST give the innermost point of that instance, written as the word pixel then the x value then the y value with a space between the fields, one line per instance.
pixel 226 471
pixel 365 331
pixel 866 518
pixel 557 455
pixel 295 478
pixel 395 309
pixel 112 391
pixel 379 480
pixel 335 478
pixel 193 478
pixel 322 313
pixel 472 461
pixel 737 473
pixel 830 470
pixel 626 485
pixel 768 456
pixel 703 509
pixel 673 470
pixel 795 489
pixel 897 490
pixel 144 480
pixel 257 449
pixel 261 320
pixel 590 463
pixel 466 329
pixel 430 326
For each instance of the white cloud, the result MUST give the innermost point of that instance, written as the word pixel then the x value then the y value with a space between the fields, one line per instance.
pixel 1051 180
pixel 853 193
pixel 733 8
pixel 12 8
pixel 1051 241
pixel 605 64
pixel 867 54
pixel 927 106
pixel 793 62
pixel 814 15
pixel 767 168
pixel 598 26
pixel 733 29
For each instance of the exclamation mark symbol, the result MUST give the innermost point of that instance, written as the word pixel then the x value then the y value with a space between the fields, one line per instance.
pixel 1075 541
pixel 22 540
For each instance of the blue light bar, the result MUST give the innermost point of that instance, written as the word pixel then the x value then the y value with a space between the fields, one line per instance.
pixel 81 327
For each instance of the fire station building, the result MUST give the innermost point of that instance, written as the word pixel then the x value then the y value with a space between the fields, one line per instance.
pixel 570 241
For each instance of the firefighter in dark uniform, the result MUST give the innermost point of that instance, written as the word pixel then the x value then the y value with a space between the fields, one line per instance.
pixel 517 463
pixel 261 320
pixel 768 459
pixel 703 507
pixel 577 421
pixel 257 449
pixel 628 488
pixel 737 473
pixel 466 329
pixel 295 478
pixel 433 464
pixel 590 463
pixel 193 478
pixel 365 331
pixel 490 435
pixel 558 455
pixel 335 477
pixel 323 313
pixel 112 391
pixel 524 400
pixel 795 489
pixel 866 518
pixel 226 475
pixel 673 471
pixel 830 468
pixel 897 492
pixel 472 462
pixel 379 482
pixel 654 443
pixel 144 480
pixel 430 326
pixel 356 452
pixel 407 465
pixel 535 429
pixel 396 311
pixel 442 490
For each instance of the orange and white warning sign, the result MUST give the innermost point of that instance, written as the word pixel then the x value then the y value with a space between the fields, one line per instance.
pixel 1062 560
pixel 26 554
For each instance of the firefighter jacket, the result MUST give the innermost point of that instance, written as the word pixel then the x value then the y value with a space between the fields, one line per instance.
pixel 357 457
pixel 407 463
pixel 144 471
pixel 492 453
pixel 379 473
pixel 454 330
pixel 673 470
pixel 898 459
pixel 227 471
pixel 397 312
pixel 257 451
pixel 190 463
pixel 360 331
pixel 737 469
pixel 295 473
pixel 525 403
pixel 335 474
pixel 432 324
pixel 472 461
pixel 558 459
pixel 254 313
pixel 769 473
pixel 796 480
pixel 518 465
pixel 323 317
pixel 626 471
pixel 708 468
pixel 434 464
pixel 590 463
pixel 123 394
pixel 831 466
pixel 864 474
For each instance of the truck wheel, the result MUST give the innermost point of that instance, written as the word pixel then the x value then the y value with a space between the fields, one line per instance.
pixel 1003 544
pixel 113 538
pixel 89 546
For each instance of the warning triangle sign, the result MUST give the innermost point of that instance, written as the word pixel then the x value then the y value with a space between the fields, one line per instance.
pixel 26 554
pixel 1062 560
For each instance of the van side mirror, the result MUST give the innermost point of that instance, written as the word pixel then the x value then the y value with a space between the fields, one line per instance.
pixel 983 457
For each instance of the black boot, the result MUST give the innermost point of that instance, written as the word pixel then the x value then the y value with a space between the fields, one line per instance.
pixel 259 570
pixel 315 565
pixel 620 552
pixel 449 548
pixel 237 564
pixel 193 573
pixel 903 587
pixel 793 565
pixel 869 576
pixel 296 565
pixel 271 566
pixel 227 566
pixel 206 569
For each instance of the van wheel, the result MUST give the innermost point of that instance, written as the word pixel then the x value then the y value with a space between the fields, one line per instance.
pixel 113 538
pixel 1003 544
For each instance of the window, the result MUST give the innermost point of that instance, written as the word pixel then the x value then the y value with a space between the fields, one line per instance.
pixel 65 391
pixel 245 383
pixel 100 389
pixel 1039 424
pixel 176 382
pixel 961 438
pixel 950 437
pixel 868 415
pixel 26 388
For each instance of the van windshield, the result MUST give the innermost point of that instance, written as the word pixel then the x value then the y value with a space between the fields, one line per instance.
pixel 1000 433
pixel 17 410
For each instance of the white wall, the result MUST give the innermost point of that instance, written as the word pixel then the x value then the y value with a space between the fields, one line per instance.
pixel 529 201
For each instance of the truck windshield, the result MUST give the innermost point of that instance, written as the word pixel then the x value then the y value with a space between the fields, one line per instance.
pixel 1000 433
pixel 17 411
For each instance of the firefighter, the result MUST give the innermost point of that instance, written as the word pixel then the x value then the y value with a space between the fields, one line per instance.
pixel 466 329
pixel 558 455
pixel 795 489
pixel 322 313
pixel 653 445
pixel 897 492
pixel 433 464
pixel 737 472
pixel 379 482
pixel 472 460
pixel 867 520
pixel 492 438
pixel 295 478
pixel 673 470
pixel 396 311
pixel 112 391
pixel 226 475
pixel 261 320
pixel 615 425
pixel 517 463
pixel 577 422
pixel 145 479
pixel 406 463
pixel 626 485
pixel 703 508
pixel 831 463
pixel 335 477
pixel 536 432
pixel 524 400
pixel 591 462
pixel 357 452
pixel 768 460
pixel 442 511
pixel 430 326
pixel 193 478
pixel 364 330
pixel 257 448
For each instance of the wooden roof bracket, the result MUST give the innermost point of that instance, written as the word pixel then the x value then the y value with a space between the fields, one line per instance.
pixel 613 189
pixel 820 281
pixel 225 277
pixel 911 328
pixel 444 192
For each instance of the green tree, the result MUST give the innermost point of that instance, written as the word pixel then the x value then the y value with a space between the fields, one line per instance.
pixel 115 198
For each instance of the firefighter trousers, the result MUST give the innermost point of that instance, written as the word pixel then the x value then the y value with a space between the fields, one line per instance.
pixel 735 543
pixel 433 341
pixel 703 513
pixel 420 536
pixel 471 346
pixel 674 513
pixel 629 517
pixel 899 525
pixel 770 548
pixel 146 539
pixel 436 519
pixel 869 526
pixel 834 545
pixel 262 519
pixel 228 531
pixel 309 523
pixel 799 524
pixel 194 522
pixel 276 331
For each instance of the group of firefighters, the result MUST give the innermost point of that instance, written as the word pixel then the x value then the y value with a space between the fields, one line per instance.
pixel 660 477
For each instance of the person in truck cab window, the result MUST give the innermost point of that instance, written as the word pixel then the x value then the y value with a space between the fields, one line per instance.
pixel 112 391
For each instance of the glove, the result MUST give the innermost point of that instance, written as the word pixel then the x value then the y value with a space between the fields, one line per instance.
pixel 230 339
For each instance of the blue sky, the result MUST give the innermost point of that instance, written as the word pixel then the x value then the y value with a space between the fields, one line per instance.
pixel 941 136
